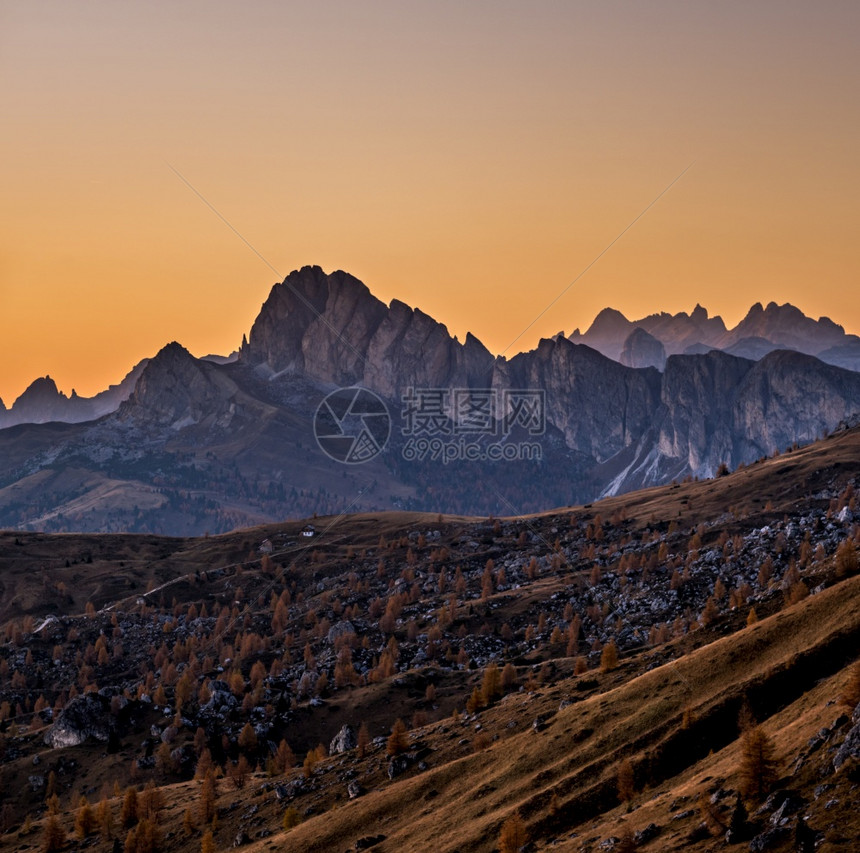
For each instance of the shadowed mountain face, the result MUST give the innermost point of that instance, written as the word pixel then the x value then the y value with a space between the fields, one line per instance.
pixel 643 350
pixel 330 328
pixel 200 446
pixel 763 330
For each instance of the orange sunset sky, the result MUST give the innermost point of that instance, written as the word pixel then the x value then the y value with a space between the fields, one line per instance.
pixel 470 158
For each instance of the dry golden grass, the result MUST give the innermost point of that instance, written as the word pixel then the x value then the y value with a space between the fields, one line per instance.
pixel 462 804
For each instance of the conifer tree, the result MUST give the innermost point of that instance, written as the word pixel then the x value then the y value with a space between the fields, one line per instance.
pixel 104 817
pixel 291 818
pixel 207 842
pixel 397 742
pixel 758 770
pixel 850 697
pixel 54 836
pixel 491 686
pixel 129 813
pixel 85 819
pixel 206 805
pixel 513 836
pixel 609 657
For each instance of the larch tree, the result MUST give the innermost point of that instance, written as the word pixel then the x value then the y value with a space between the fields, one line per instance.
pixel 758 769
pixel 609 657
pixel 513 836
pixel 85 819
pixel 206 805
pixel 491 686
pixel 54 836
pixel 128 815
pixel 397 741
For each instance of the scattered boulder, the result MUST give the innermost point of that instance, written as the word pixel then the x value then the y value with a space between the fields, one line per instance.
pixel 83 717
pixel 221 698
pixel 288 790
pixel 343 741
pixel 850 748
pixel 769 839
pixel 789 806
pixel 340 629
pixel 398 765
pixel 646 834
pixel 354 790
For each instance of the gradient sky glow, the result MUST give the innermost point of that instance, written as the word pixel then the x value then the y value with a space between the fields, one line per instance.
pixel 469 158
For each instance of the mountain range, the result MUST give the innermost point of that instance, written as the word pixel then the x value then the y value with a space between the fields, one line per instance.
pixel 187 445
pixel 43 402
pixel 649 341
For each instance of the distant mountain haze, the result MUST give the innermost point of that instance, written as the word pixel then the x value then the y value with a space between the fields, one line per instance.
pixel 761 331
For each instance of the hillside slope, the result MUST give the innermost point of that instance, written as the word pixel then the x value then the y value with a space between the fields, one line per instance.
pixel 135 661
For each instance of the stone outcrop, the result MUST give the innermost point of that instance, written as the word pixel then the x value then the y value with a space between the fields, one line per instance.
pixel 850 748
pixel 694 422
pixel 84 717
pixel 343 741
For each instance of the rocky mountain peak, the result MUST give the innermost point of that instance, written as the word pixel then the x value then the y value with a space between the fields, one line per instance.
pixel 609 320
pixel 41 402
pixel 177 389
pixel 606 334
pixel 42 389
pixel 699 314
pixel 330 328
pixel 643 350
pixel 763 329
pixel 315 323
pixel 786 325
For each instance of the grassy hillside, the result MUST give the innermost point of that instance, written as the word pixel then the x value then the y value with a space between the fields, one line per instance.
pixel 533 660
